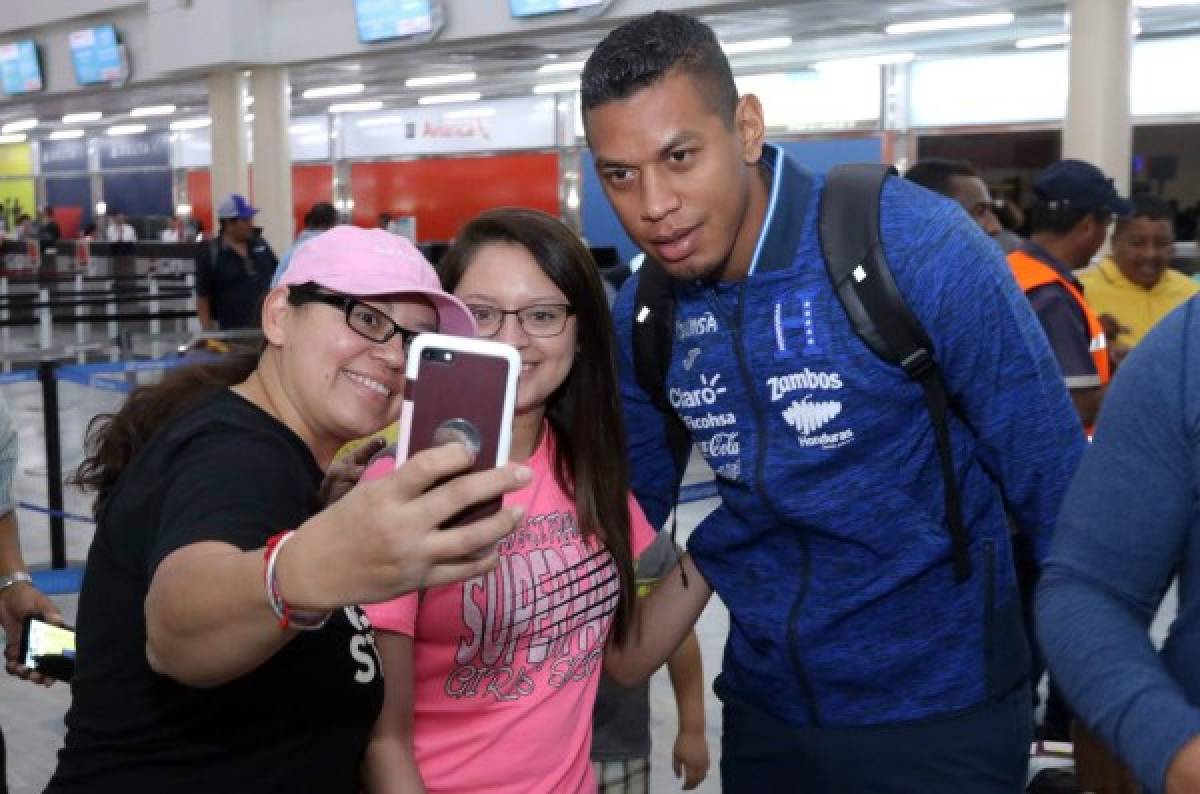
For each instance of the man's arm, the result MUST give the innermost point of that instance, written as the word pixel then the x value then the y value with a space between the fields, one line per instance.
pixel 21 599
pixel 204 313
pixel 204 286
pixel 18 601
pixel 991 351
pixel 1067 332
pixel 1087 404
pixel 1126 526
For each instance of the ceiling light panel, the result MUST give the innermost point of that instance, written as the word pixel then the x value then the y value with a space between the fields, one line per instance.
pixel 349 89
pixel 441 79
pixel 1037 42
pixel 126 129
pixel 355 107
pixel 951 23
pixel 152 110
pixel 82 118
pixel 18 126
pixel 190 124
pixel 439 99
pixel 558 68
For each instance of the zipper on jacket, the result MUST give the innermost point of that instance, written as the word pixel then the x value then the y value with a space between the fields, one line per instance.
pixel 989 618
pixel 760 457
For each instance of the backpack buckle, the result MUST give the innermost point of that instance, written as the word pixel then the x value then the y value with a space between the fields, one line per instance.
pixel 918 364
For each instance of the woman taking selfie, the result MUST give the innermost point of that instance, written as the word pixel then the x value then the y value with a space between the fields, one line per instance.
pixel 490 683
pixel 219 645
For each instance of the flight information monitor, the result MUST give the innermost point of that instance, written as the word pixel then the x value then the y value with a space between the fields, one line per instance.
pixel 379 20
pixel 531 8
pixel 20 70
pixel 97 56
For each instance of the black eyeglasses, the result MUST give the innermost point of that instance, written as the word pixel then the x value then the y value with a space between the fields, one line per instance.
pixel 366 321
pixel 542 319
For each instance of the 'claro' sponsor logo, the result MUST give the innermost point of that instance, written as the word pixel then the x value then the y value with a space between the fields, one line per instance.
pixel 710 389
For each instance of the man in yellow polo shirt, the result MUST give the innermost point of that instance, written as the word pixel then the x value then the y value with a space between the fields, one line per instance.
pixel 1136 286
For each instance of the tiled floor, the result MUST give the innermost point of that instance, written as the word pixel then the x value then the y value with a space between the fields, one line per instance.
pixel 31 716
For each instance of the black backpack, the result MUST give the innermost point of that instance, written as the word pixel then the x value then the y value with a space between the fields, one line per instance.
pixel 848 225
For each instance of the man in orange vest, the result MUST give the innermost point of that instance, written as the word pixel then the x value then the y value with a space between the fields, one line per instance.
pixel 1074 207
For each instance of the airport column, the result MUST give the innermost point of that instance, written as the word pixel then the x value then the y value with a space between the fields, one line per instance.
pixel 1098 126
pixel 225 108
pixel 272 156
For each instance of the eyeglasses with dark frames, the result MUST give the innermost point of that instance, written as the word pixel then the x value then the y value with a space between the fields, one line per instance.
pixel 365 320
pixel 540 320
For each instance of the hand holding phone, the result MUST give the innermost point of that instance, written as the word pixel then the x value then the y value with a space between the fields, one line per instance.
pixel 48 649
pixel 460 390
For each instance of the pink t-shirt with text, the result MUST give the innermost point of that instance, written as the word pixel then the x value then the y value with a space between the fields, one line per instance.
pixel 506 664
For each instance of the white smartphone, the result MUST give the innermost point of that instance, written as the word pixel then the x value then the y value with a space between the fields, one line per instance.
pixel 460 389
pixel 48 648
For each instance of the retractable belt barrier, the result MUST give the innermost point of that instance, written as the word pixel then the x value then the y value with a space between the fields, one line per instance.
pixel 147 299
pixel 114 377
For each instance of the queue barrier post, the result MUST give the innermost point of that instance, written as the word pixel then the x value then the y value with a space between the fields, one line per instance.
pixel 82 327
pixel 192 324
pixel 45 321
pixel 54 489
pixel 113 326
pixel 155 324
pixel 5 336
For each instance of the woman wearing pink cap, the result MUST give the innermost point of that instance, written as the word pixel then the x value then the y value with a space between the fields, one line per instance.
pixel 219 645
pixel 491 682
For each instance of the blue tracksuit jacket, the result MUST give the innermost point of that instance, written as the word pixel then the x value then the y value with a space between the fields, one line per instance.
pixel 829 546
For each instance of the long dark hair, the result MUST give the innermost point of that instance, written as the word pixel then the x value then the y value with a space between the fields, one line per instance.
pixel 114 439
pixel 585 413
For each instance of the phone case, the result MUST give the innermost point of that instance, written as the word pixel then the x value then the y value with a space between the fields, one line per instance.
pixel 460 389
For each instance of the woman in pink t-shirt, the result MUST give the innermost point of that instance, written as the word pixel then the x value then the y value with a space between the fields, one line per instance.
pixel 490 683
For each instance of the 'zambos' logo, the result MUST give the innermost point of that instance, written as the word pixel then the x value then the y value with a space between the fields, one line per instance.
pixel 782 385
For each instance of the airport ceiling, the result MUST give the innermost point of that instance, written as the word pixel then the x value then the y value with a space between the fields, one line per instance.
pixel 505 67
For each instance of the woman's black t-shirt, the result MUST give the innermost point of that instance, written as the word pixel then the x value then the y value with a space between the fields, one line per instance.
pixel 300 722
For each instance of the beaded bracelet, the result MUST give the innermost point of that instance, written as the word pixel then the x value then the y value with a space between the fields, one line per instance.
pixel 288 617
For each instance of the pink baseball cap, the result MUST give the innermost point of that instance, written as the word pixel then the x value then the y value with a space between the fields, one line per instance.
pixel 370 262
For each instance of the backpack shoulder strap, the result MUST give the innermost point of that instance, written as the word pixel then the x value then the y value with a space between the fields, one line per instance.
pixel 848 226
pixel 653 328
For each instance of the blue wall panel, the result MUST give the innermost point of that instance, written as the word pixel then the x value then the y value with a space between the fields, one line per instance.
pixel 600 224
pixel 138 194
pixel 70 191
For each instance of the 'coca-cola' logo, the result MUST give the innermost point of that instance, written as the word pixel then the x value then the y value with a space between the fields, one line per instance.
pixel 721 445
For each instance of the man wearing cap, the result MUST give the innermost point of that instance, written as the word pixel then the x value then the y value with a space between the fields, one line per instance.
pixel 234 271
pixel 1075 204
